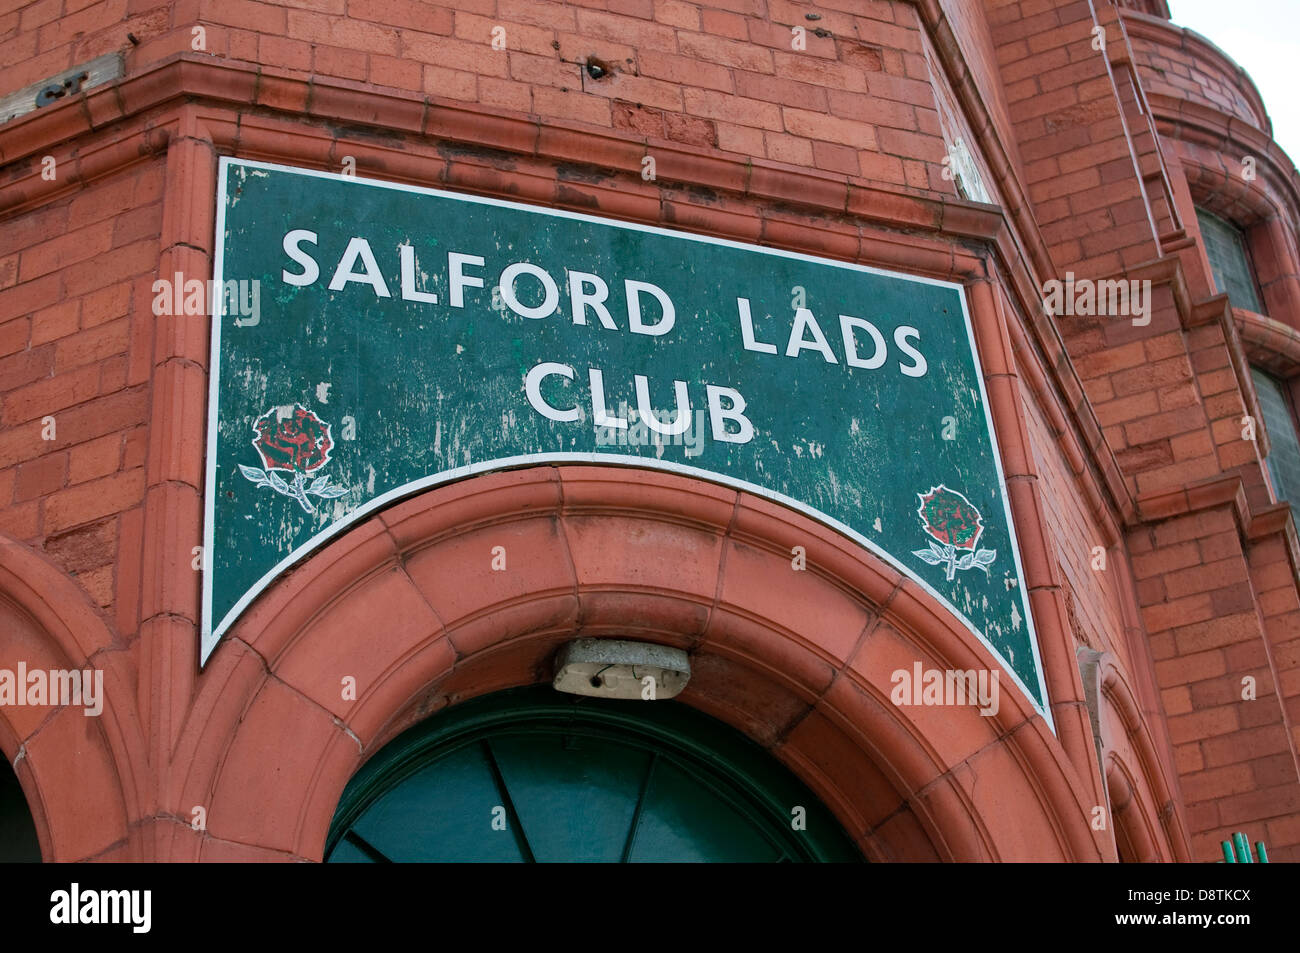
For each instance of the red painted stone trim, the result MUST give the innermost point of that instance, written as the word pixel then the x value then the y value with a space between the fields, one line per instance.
pixel 1183 121
pixel 1172 844
pixel 1038 557
pixel 1205 54
pixel 1266 208
pixel 219 81
pixel 71 767
pixel 1168 271
pixel 799 661
pixel 1269 344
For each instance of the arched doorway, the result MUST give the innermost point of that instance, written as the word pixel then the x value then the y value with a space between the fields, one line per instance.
pixel 407 608
pixel 68 765
pixel 18 841
pixel 534 775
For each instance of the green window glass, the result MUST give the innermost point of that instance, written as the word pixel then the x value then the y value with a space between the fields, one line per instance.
pixel 532 775
pixel 1284 454
pixel 1226 249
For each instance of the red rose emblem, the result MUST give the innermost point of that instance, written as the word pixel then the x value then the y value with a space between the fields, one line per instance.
pixel 950 518
pixel 299 442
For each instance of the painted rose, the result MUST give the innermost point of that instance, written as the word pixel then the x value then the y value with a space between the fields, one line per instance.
pixel 954 525
pixel 299 442
pixel 950 518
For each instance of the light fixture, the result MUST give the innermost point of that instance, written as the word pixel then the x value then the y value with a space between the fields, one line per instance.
pixel 614 668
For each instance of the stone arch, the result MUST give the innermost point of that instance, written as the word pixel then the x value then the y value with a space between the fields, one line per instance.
pixel 1134 840
pixel 71 766
pixel 1143 802
pixel 408 605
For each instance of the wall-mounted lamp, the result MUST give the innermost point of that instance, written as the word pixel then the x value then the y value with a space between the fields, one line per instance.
pixel 613 668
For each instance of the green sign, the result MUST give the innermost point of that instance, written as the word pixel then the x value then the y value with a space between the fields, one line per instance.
pixel 378 339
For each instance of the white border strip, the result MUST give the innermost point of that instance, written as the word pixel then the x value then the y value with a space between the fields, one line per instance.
pixel 210 637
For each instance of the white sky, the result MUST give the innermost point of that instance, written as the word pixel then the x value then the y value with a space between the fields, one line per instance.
pixel 1263 37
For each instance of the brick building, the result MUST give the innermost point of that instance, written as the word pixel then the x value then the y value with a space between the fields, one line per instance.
pixel 1028 153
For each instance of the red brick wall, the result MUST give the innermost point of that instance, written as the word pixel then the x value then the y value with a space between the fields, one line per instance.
pixel 970 23
pixel 1279 604
pixel 720 73
pixel 1169 399
pixel 1184 67
pixel 1098 610
pixel 1077 159
pixel 75 346
pixel 77 336
pixel 1237 767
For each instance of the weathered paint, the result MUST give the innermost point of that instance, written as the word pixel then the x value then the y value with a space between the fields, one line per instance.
pixel 437 392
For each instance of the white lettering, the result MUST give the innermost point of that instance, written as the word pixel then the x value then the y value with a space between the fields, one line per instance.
pixel 310 270
pixel 580 300
pixel 409 293
pixel 533 385
pixel 598 411
pixel 747 330
pixel 804 320
pixel 647 412
pixel 719 415
pixel 633 290
pixel 458 280
pixel 918 367
pixel 552 294
pixel 847 324
pixel 359 248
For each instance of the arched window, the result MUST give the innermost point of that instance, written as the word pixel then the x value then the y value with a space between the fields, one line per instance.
pixel 1279 417
pixel 1230 264
pixel 18 843
pixel 533 775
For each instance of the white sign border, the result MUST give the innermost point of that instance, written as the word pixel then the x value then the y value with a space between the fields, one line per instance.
pixel 210 637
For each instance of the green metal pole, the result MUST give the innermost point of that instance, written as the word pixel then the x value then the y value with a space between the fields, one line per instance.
pixel 1263 854
pixel 1243 847
pixel 1228 856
